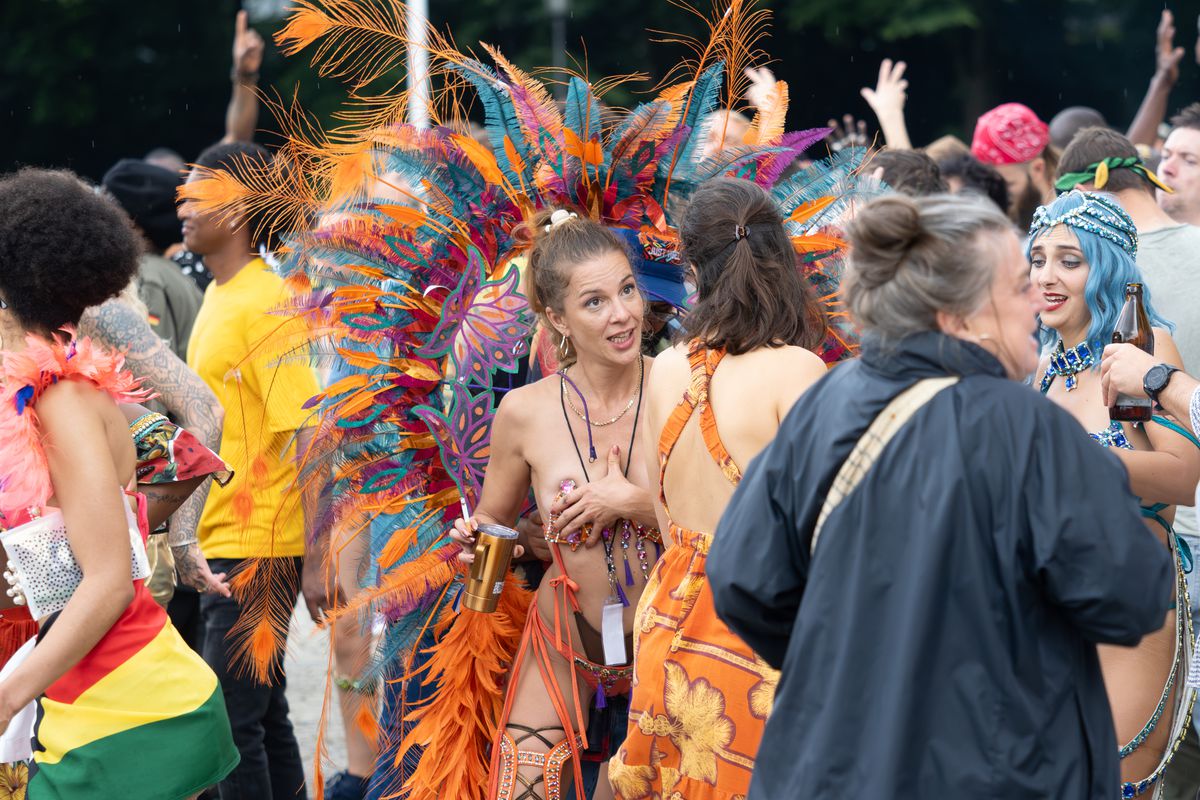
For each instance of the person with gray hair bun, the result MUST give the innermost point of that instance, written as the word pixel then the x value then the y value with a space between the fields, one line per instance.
pixel 929 550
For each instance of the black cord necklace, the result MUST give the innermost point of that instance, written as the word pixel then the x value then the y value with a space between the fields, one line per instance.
pixel 563 380
pixel 610 563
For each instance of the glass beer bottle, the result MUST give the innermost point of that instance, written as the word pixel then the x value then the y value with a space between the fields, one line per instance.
pixel 1133 327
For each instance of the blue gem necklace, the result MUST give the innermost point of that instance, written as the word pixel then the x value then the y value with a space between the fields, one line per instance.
pixel 1068 363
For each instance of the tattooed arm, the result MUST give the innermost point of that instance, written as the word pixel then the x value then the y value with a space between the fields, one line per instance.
pixel 188 400
pixel 190 564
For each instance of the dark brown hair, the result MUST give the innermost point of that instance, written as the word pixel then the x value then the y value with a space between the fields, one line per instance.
pixel 976 177
pixel 1051 156
pixel 244 160
pixel 556 250
pixel 909 172
pixel 751 292
pixel 1188 117
pixel 1092 145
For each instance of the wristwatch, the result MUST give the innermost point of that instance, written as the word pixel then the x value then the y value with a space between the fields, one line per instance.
pixel 1156 379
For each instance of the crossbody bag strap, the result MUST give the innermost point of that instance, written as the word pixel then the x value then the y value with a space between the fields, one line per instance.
pixel 867 449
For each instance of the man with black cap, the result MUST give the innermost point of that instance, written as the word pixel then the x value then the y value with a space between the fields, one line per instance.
pixel 147 193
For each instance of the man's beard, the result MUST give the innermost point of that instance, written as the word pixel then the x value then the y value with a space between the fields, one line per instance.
pixel 1171 203
pixel 1024 204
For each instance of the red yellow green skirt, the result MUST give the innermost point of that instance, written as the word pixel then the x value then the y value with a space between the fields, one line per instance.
pixel 140 717
pixel 700 696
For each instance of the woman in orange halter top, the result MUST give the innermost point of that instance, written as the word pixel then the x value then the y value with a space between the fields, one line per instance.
pixel 700 695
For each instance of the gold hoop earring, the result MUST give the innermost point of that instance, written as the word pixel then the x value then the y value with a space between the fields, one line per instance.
pixel 563 347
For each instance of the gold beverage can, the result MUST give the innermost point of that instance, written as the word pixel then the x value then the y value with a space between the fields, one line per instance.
pixel 493 554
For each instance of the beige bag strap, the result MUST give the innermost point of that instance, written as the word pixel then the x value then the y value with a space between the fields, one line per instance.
pixel 867 449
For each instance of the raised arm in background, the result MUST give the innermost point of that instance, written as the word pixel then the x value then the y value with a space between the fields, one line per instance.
pixel 1153 110
pixel 189 401
pixel 887 101
pixel 241 117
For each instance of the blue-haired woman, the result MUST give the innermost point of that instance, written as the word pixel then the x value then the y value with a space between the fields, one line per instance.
pixel 1081 252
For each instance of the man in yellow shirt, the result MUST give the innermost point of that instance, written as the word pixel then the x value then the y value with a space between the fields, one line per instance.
pixel 261 514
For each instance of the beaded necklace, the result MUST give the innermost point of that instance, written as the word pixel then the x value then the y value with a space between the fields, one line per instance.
pixel 1068 363
pixel 628 530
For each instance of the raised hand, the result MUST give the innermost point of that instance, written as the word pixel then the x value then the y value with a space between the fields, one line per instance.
pixel 847 133
pixel 889 94
pixel 887 101
pixel 1122 369
pixel 1153 109
pixel 1198 41
pixel 1167 55
pixel 463 533
pixel 247 48
pixel 761 88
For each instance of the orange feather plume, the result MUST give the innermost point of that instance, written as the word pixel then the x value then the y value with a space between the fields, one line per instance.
pixel 470 666
pixel 483 159
pixel 768 123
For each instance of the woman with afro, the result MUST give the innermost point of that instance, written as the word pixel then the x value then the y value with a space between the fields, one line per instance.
pixel 125 708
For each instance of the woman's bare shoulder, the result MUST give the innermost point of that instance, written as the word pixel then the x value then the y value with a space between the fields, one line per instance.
pixel 70 396
pixel 72 409
pixel 796 357
pixel 671 372
pixel 1166 349
pixel 788 362
pixel 672 360
pixel 531 401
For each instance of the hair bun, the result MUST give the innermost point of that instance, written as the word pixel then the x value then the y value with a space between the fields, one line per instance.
pixel 882 235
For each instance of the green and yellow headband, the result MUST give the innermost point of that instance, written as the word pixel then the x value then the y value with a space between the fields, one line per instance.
pixel 1098 173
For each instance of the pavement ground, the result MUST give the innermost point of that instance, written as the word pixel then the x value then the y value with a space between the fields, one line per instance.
pixel 307 665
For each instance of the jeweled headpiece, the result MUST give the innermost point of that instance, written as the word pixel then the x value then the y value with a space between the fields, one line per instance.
pixel 1096 213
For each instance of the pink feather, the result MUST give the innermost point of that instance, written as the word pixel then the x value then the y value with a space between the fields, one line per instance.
pixel 24 377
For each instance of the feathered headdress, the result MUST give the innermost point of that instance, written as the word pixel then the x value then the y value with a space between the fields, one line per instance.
pixel 409 282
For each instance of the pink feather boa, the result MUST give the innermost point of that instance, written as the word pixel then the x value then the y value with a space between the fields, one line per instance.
pixel 24 376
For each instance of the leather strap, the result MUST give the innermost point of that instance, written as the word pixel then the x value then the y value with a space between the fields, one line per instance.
pixel 868 448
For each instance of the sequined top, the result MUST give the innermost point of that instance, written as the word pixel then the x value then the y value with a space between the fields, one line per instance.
pixel 1112 436
pixel 580 537
pixel 1194 410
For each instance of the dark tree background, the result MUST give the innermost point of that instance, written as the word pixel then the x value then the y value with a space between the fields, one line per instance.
pixel 85 82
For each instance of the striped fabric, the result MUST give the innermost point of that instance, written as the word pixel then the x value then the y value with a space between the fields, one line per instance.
pixel 140 717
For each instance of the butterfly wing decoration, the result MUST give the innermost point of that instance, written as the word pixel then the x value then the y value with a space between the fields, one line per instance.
pixel 484 326
pixel 463 436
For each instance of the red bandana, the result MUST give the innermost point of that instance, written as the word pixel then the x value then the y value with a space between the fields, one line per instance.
pixel 1009 134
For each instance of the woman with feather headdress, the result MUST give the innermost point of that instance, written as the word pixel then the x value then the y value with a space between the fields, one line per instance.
pixel 600 521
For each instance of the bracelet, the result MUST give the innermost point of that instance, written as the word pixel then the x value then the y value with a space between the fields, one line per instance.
pixel 187 543
pixel 363 687
pixel 243 77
